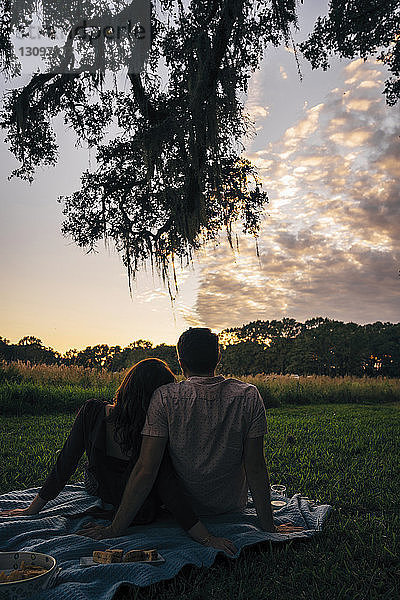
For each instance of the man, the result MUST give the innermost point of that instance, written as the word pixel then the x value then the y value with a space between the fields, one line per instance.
pixel 214 428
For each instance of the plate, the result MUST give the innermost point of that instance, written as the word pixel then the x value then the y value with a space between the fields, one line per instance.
pixel 87 561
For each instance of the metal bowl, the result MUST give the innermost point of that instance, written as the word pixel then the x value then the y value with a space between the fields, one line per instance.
pixel 25 588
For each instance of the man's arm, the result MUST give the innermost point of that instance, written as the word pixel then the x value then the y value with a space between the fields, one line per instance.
pixel 140 482
pixel 137 489
pixel 258 480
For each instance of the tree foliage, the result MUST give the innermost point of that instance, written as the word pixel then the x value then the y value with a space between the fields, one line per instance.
pixel 169 168
pixel 319 346
pixel 28 349
pixel 359 29
pixel 174 176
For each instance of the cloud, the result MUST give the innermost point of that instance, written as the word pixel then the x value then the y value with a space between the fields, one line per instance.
pixel 360 104
pixel 254 105
pixel 353 139
pixel 259 111
pixel 329 243
pixel 282 72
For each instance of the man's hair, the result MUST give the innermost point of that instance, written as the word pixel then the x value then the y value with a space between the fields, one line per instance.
pixel 198 349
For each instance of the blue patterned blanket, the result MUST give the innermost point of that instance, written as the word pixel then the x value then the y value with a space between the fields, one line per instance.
pixel 51 532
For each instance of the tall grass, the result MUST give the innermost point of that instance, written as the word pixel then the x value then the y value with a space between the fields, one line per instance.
pixel 28 398
pixel 83 377
pixel 45 389
pixel 278 390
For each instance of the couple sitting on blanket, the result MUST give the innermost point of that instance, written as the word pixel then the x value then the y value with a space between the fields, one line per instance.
pixel 194 447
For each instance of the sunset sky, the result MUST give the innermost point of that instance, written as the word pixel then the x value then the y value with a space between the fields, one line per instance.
pixel 327 150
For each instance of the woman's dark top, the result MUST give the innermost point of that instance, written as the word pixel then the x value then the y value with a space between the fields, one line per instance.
pixel 88 434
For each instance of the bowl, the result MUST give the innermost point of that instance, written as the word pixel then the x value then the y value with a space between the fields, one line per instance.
pixel 25 588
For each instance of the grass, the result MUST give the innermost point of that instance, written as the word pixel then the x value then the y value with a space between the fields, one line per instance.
pixel 344 455
pixel 28 398
pixel 58 375
pixel 51 389
pixel 278 390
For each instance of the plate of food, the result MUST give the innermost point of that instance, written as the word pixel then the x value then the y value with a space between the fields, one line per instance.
pixel 116 556
pixel 23 574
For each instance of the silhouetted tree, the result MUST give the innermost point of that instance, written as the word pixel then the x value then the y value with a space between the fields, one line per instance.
pixel 93 356
pixel 359 29
pixel 174 177
pixel 243 358
pixel 319 346
pixel 29 349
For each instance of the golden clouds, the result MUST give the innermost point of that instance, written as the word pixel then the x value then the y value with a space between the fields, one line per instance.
pixel 254 106
pixel 354 65
pixel 329 244
pixel 360 104
pixel 257 111
pixel 391 164
pixel 373 74
pixel 352 139
pixel 303 129
pixel 369 84
pixel 309 161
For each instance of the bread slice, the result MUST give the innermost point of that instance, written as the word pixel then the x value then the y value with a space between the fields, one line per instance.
pixel 105 557
pixel 140 555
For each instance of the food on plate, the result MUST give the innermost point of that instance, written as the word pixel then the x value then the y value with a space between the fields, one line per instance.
pixel 23 572
pixel 140 555
pixel 105 557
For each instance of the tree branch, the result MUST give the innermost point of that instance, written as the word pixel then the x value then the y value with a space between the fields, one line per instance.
pixel 144 104
pixel 208 72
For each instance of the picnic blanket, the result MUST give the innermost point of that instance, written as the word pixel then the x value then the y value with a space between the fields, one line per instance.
pixel 53 532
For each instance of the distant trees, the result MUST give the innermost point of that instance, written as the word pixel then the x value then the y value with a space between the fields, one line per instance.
pixel 318 346
pixel 29 348
pixel 100 356
pixel 243 358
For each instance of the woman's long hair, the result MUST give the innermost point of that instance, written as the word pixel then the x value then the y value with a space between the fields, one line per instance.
pixel 132 399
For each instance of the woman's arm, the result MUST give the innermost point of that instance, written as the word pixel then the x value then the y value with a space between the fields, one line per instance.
pixel 68 459
pixel 64 467
pixel 35 507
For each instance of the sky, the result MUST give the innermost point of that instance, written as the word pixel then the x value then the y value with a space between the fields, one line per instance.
pixel 327 150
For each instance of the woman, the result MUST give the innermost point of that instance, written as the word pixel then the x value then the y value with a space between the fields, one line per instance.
pixel 110 434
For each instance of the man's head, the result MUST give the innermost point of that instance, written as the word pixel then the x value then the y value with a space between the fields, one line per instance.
pixel 198 351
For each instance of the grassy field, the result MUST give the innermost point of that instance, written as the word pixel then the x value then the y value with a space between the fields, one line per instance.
pixel 51 389
pixel 343 455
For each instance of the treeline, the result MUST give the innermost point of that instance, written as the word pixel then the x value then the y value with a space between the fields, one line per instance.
pixel 318 346
pixel 113 358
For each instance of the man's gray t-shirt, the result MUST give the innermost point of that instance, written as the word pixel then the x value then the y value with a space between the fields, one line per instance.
pixel 206 421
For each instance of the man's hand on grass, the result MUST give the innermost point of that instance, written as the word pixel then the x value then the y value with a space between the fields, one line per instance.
pixel 98 532
pixel 287 528
pixel 222 544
